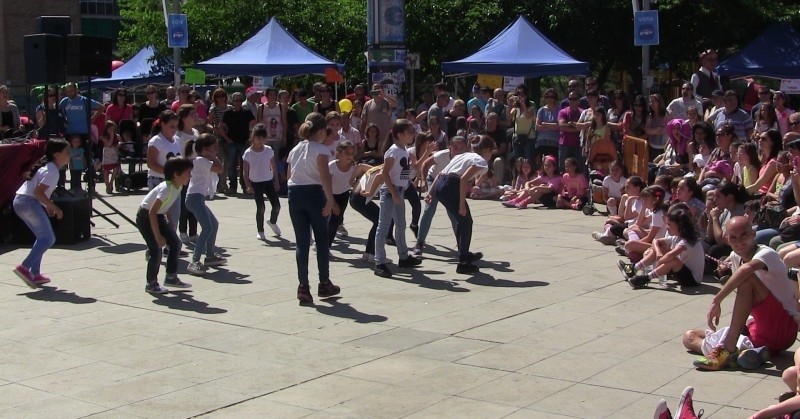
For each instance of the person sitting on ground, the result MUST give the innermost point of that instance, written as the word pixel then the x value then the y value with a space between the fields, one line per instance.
pixel 523 173
pixel 728 203
pixel 613 186
pixel 574 192
pixel 486 187
pixel 649 225
pixel 542 190
pixel 629 207
pixel 763 291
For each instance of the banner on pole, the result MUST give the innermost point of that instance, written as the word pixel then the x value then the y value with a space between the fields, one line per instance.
pixel 195 76
pixel 177 31
pixel 645 28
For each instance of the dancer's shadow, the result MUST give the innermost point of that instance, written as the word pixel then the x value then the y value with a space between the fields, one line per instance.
pixel 221 275
pixel 123 249
pixel 279 242
pixel 347 311
pixel 421 278
pixel 484 279
pixel 56 295
pixel 495 266
pixel 184 301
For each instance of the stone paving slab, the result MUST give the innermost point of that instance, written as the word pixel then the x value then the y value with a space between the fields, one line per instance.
pixel 546 330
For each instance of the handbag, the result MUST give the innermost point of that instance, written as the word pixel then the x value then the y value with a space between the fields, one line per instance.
pixel 789 232
pixel 770 216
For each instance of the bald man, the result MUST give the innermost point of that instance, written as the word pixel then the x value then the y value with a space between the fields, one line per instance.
pixel 763 291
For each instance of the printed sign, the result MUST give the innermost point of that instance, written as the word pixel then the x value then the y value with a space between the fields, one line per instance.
pixel 510 83
pixel 645 28
pixel 177 31
pixel 412 61
pixel 195 76
pixel 790 87
pixel 488 80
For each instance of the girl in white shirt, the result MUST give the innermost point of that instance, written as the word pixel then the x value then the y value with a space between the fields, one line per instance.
pixel 187 226
pixel 261 177
pixel 396 171
pixel 33 205
pixel 310 203
pixel 451 188
pixel 344 171
pixel 205 164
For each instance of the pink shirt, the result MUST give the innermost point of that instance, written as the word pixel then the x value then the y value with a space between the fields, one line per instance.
pixel 554 182
pixel 576 185
pixel 116 113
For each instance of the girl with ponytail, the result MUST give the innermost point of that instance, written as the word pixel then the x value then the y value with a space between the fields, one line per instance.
pixel 33 205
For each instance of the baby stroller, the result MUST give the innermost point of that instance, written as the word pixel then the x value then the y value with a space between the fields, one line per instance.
pixel 601 154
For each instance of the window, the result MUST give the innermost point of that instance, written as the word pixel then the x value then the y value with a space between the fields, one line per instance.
pixel 99 7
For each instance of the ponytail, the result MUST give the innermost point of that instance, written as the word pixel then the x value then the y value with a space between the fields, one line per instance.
pixel 313 124
pixel 163 118
pixel 188 149
pixel 54 145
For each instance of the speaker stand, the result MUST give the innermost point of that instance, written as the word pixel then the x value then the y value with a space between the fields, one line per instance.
pixel 92 182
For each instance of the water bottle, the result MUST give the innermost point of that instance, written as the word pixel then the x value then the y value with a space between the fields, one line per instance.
pixel 662 280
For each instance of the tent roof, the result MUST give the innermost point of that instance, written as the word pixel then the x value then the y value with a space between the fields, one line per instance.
pixel 519 50
pixel 774 53
pixel 271 52
pixel 142 68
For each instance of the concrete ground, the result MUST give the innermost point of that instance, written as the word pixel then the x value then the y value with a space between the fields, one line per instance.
pixel 547 330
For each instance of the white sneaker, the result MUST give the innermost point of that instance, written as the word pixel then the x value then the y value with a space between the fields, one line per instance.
pixel 196 268
pixel 260 235
pixel 184 238
pixel 366 257
pixel 275 229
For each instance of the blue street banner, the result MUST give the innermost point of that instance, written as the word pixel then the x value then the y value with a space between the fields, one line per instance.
pixel 177 31
pixel 645 28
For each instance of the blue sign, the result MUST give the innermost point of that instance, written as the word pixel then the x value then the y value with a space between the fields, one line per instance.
pixel 177 31
pixel 645 28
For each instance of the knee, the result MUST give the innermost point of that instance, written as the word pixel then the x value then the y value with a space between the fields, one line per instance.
pixel 612 202
pixel 789 377
pixel 48 240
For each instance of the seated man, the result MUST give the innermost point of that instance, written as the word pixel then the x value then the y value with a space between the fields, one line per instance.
pixel 763 291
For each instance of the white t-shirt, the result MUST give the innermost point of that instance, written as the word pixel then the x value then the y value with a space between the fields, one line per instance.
pixel 657 220
pixel 166 150
pixel 701 160
pixel 368 181
pixel 340 181
pixel 260 164
pixel 303 163
pixel 400 171
pixel 693 257
pixel 774 277
pixel 440 159
pixel 351 135
pixel 412 159
pixel 462 162
pixel 47 175
pixel 614 188
pixel 201 176
pixel 186 137
pixel 165 192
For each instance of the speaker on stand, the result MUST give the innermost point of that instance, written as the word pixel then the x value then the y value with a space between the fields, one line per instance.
pixel 88 56
pixel 44 59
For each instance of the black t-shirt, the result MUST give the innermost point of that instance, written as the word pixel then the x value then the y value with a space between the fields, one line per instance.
pixel 499 137
pixel 292 122
pixel 7 119
pixel 146 112
pixel 238 123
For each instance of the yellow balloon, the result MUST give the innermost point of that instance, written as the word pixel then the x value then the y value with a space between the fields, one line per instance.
pixel 345 105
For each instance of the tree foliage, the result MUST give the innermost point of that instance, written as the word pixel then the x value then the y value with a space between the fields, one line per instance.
pixel 599 32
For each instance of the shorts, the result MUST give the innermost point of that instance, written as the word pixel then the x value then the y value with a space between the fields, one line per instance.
pixel 109 167
pixel 772 327
pixel 684 277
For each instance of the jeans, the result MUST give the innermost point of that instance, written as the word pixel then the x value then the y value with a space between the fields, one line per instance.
pixel 233 162
pixel 187 220
pixel 31 211
pixel 448 190
pixel 391 212
pixel 412 196
pixel 371 212
pixel 427 216
pixel 566 151
pixel 259 189
pixel 764 236
pixel 336 220
pixel 305 209
pixel 196 203
pixel 524 146
pixel 154 261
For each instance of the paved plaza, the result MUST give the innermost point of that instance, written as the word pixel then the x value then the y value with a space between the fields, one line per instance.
pixel 547 330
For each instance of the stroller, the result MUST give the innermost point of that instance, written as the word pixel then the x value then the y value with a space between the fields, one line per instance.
pixel 601 154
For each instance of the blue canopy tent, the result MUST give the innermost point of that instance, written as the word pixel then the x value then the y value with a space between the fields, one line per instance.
pixel 271 52
pixel 142 68
pixel 775 53
pixel 519 50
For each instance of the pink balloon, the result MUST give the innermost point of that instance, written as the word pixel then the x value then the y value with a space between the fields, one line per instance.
pixel 116 64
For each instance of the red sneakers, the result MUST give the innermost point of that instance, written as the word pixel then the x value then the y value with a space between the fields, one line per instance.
pixel 26 276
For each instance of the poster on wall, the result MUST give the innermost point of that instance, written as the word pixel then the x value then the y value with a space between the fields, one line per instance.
pixel 386 22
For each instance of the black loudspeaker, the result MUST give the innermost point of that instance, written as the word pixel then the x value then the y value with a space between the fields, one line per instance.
pixel 54 25
pixel 88 56
pixel 74 227
pixel 44 59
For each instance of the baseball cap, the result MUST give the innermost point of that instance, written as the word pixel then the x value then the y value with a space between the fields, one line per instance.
pixel 252 90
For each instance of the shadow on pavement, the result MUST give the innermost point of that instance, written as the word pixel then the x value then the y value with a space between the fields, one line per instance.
pixel 421 278
pixel 124 248
pixel 56 295
pixel 482 278
pixel 346 311
pixel 184 301
pixel 224 276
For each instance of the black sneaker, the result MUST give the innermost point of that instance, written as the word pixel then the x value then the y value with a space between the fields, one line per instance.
pixel 175 282
pixel 155 289
pixel 409 262
pixel 639 281
pixel 327 289
pixel 466 268
pixel 793 274
pixel 304 295
pixel 627 269
pixel 390 241
pixel 473 257
pixel 415 229
pixel 620 250
pixel 383 270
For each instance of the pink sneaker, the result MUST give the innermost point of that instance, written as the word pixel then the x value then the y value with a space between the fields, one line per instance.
pixel 685 407
pixel 662 411
pixel 25 275
pixel 511 203
pixel 40 280
pixel 524 203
